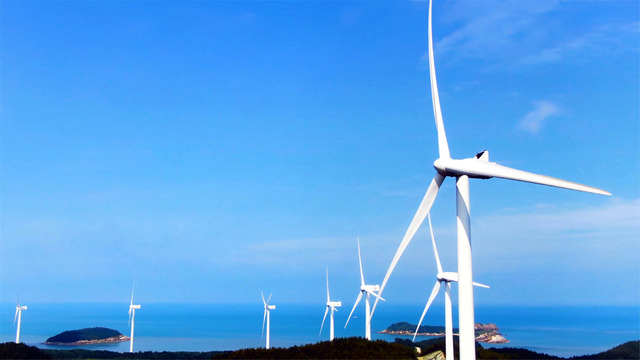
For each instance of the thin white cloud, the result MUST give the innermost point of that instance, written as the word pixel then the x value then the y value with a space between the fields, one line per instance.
pixel 605 39
pixel 490 30
pixel 525 33
pixel 596 234
pixel 532 122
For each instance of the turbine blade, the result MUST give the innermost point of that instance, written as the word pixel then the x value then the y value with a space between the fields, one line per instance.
pixel 263 302
pixel 360 260
pixel 480 285
pixel 15 317
pixel 418 218
pixel 264 318
pixel 484 169
pixel 354 307
pixel 269 299
pixel 443 146
pixel 433 242
pixel 323 319
pixel 434 292
pixel 376 295
pixel 328 299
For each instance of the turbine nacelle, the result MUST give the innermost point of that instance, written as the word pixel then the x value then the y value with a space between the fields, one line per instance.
pixel 447 276
pixel 270 307
pixel 370 288
pixel 334 304
pixel 472 167
pixel 132 307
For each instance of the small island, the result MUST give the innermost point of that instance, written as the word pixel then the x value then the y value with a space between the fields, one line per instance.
pixel 486 333
pixel 87 336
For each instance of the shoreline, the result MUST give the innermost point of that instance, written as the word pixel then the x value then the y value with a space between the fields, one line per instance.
pixel 488 337
pixel 111 340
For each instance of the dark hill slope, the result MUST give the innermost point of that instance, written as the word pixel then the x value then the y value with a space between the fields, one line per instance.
pixel 339 348
pixel 95 333
pixel 628 350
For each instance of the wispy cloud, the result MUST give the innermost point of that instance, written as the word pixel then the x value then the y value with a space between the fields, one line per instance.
pixel 584 238
pixel 532 122
pixel 602 40
pixel 526 33
pixel 490 30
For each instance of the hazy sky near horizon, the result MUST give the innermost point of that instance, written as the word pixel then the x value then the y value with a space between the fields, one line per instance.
pixel 213 150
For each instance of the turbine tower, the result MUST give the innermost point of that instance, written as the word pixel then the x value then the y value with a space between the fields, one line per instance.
pixel 368 290
pixel 477 167
pixel 447 278
pixel 331 305
pixel 132 316
pixel 18 316
pixel 267 316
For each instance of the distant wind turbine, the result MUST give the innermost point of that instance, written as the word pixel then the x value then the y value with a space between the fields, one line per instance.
pixel 132 316
pixel 368 290
pixel 331 305
pixel 477 167
pixel 18 316
pixel 267 316
pixel 447 278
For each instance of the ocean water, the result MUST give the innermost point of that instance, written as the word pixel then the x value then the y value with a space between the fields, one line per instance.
pixel 563 331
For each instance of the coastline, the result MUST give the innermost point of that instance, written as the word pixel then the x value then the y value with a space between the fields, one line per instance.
pixel 113 339
pixel 488 333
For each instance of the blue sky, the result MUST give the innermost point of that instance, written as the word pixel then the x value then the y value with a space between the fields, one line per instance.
pixel 213 150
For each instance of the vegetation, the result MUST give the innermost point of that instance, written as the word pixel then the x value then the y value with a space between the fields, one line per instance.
pixel 339 348
pixel 95 333
pixel 11 350
pixel 102 354
pixel 628 350
pixel 405 326
pixel 432 345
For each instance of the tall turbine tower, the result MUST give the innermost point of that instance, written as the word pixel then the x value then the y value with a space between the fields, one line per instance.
pixel 267 316
pixel 368 290
pixel 331 305
pixel 477 167
pixel 447 278
pixel 132 317
pixel 18 316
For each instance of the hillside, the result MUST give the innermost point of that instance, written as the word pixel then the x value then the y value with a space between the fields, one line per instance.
pixel 628 350
pixel 339 348
pixel 86 336
pixel 487 333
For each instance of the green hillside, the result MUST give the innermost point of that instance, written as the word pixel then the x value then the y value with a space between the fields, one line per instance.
pixel 95 333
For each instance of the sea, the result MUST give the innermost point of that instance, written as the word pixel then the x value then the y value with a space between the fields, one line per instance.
pixel 561 331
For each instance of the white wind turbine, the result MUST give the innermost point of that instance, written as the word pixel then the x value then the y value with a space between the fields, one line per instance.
pixel 132 316
pixel 477 167
pixel 267 316
pixel 447 278
pixel 18 316
pixel 368 290
pixel 331 305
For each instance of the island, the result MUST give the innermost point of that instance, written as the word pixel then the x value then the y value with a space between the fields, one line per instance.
pixel 486 333
pixel 87 336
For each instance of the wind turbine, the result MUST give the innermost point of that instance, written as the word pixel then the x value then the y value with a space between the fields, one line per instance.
pixel 132 316
pixel 267 315
pixel 330 305
pixel 477 167
pixel 447 278
pixel 18 316
pixel 368 290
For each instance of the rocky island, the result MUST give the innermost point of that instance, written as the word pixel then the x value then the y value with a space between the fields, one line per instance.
pixel 87 336
pixel 486 333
